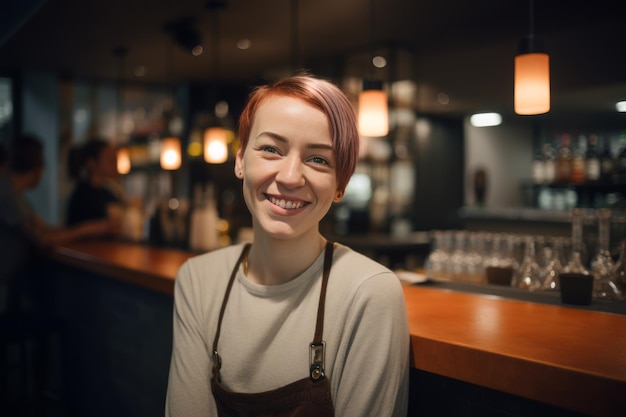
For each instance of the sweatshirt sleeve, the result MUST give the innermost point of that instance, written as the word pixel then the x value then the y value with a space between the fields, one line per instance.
pixel 189 391
pixel 375 370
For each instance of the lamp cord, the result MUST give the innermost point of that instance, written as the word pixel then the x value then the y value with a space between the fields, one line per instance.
pixel 295 59
pixel 532 26
pixel 372 38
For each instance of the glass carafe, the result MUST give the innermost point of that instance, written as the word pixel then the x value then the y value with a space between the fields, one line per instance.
pixel 575 264
pixel 528 275
pixel 554 266
pixel 602 263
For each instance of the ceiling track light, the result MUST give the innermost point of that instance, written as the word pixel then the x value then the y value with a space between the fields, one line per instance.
pixel 532 75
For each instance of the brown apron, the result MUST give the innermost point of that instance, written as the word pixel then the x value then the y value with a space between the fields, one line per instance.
pixel 307 397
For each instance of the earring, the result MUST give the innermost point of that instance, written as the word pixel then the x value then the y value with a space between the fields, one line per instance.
pixel 239 174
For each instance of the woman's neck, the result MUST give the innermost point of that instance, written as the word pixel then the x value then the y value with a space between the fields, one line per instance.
pixel 276 261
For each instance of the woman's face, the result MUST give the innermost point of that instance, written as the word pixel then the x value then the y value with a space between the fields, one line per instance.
pixel 106 163
pixel 288 168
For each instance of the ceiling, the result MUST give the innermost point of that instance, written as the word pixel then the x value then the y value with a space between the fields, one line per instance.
pixel 463 48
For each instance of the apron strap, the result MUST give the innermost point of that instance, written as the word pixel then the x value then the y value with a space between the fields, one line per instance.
pixel 317 350
pixel 217 361
pixel 328 261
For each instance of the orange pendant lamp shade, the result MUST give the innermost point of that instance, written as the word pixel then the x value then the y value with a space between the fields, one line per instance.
pixel 170 153
pixel 373 110
pixel 123 161
pixel 215 145
pixel 532 83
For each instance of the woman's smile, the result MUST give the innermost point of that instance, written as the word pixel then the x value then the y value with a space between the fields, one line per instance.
pixel 286 203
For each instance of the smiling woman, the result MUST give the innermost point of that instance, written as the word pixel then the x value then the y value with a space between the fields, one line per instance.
pixel 272 344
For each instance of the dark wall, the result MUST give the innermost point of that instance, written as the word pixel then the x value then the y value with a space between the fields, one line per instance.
pixel 439 166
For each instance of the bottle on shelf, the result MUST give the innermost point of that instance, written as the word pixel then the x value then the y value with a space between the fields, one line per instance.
pixel 549 163
pixel 607 162
pixel 620 162
pixel 564 160
pixel 577 173
pixel 539 168
pixel 592 159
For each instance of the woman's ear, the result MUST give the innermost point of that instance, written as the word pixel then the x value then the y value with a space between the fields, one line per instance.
pixel 239 164
pixel 338 196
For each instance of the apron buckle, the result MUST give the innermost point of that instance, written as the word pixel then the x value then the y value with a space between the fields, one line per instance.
pixel 317 351
pixel 217 360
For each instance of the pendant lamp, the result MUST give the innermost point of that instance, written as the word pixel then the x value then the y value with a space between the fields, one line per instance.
pixel 123 161
pixel 532 75
pixel 373 110
pixel 215 145
pixel 170 153
pixel 215 137
pixel 373 114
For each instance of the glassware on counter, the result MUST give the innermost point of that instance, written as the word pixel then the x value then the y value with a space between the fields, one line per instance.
pixel 575 263
pixel 528 275
pixel 436 264
pixel 501 263
pixel 618 275
pixel 602 263
pixel 554 266
pixel 576 281
pixel 474 259
pixel 458 259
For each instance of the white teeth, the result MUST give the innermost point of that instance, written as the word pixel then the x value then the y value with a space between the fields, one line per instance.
pixel 289 205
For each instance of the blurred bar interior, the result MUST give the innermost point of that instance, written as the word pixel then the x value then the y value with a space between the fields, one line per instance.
pixel 436 189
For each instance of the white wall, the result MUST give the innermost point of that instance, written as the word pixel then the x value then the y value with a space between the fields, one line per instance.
pixel 506 153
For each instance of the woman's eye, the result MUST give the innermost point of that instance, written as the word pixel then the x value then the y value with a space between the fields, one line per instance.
pixel 319 160
pixel 269 149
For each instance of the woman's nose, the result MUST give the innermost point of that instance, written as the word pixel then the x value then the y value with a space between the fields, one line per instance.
pixel 290 172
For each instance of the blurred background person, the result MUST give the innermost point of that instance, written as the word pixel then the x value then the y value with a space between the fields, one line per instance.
pixel 97 191
pixel 24 234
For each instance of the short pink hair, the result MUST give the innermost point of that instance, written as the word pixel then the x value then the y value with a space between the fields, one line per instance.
pixel 330 100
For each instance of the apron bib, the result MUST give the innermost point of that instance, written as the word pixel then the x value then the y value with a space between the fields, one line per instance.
pixel 307 397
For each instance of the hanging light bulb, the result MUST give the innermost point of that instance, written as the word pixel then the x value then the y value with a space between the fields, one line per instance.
pixel 532 76
pixel 373 110
pixel 215 145
pixel 123 161
pixel 170 153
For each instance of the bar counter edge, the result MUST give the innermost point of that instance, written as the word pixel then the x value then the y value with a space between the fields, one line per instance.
pixel 574 360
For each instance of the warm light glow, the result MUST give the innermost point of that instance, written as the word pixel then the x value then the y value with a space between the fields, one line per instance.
pixel 485 119
pixel 373 113
pixel 532 83
pixel 215 145
pixel 170 153
pixel 123 161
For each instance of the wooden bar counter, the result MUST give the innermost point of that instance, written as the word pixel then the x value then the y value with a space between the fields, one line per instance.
pixel 570 358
